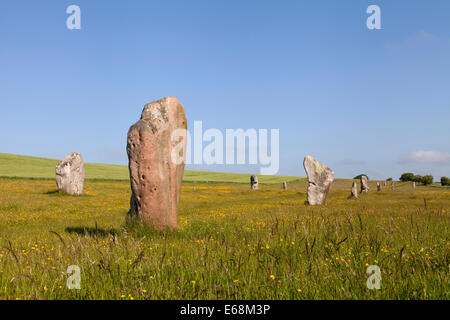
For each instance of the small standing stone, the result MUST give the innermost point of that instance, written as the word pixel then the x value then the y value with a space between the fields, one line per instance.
pixel 156 148
pixel 70 174
pixel 254 182
pixel 354 193
pixel 378 186
pixel 285 185
pixel 320 178
pixel 413 184
pixel 392 185
pixel 364 184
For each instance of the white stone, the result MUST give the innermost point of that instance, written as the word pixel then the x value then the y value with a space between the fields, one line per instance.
pixel 320 178
pixel 254 182
pixel 364 184
pixel 70 174
pixel 354 193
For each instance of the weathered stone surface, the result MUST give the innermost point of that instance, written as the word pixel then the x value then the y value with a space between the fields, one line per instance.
pixel 284 185
pixel 254 182
pixel 354 192
pixel 320 178
pixel 70 174
pixel 364 184
pixel 392 185
pixel 385 183
pixel 378 186
pixel 156 163
pixel 413 184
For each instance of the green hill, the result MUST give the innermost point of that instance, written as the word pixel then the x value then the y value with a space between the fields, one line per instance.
pixel 41 168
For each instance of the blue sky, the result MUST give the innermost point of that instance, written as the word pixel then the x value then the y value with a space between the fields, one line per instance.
pixel 358 100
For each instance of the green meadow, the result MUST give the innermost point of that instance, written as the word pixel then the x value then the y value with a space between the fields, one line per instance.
pixel 232 243
pixel 41 168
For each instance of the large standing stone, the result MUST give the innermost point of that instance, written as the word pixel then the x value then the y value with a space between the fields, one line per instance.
pixel 284 185
pixel 392 185
pixel 364 184
pixel 354 193
pixel 156 150
pixel 378 186
pixel 320 178
pixel 70 174
pixel 254 182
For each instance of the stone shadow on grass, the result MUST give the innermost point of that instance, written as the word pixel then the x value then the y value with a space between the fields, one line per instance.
pixel 55 192
pixel 63 194
pixel 96 232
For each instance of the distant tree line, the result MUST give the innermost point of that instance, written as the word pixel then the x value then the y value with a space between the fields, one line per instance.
pixel 445 181
pixel 409 176
pixel 425 180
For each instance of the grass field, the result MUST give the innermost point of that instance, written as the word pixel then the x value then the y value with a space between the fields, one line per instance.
pixel 232 243
pixel 41 168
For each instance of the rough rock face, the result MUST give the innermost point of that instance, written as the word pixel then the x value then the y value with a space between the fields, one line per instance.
pixel 254 182
pixel 284 185
pixel 70 174
pixel 385 183
pixel 364 184
pixel 156 153
pixel 320 178
pixel 354 193
pixel 378 186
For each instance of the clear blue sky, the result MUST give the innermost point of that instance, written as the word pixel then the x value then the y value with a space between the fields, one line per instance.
pixel 358 100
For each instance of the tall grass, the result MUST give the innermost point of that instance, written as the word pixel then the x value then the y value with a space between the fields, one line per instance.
pixel 232 243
